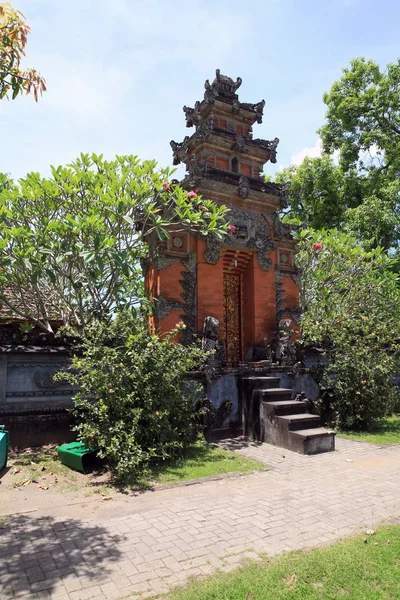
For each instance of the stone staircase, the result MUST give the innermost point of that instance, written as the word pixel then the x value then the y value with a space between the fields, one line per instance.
pixel 272 414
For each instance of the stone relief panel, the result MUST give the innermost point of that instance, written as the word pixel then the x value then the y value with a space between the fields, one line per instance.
pixel 30 384
pixel 188 304
pixel 249 231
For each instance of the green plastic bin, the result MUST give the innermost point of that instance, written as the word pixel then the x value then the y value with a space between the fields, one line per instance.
pixel 3 447
pixel 77 456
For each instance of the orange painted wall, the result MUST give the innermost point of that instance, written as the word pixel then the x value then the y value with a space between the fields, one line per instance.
pixel 264 301
pixel 248 317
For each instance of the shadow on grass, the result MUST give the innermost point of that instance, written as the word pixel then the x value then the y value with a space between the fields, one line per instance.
pixel 37 553
pixel 390 425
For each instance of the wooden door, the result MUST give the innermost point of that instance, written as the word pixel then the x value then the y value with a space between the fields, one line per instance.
pixel 232 318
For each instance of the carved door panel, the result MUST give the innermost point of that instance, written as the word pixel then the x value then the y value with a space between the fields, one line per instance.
pixel 232 318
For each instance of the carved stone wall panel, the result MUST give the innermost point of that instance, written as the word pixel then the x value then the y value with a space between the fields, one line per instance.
pixel 30 387
pixel 250 232
pixel 281 309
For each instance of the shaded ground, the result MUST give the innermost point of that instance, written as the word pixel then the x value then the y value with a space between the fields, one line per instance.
pixel 42 554
pixel 387 431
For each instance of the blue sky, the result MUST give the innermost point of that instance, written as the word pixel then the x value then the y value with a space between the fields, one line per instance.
pixel 119 71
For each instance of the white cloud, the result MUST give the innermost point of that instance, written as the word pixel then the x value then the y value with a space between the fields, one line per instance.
pixel 312 152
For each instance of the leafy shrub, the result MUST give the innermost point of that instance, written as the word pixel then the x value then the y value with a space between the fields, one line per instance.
pixel 134 403
pixel 351 303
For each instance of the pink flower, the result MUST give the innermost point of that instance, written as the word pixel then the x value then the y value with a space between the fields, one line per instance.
pixel 203 208
pixel 165 186
pixel 317 246
pixel 192 195
pixel 231 228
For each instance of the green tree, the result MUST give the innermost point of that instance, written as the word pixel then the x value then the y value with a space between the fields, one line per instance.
pixel 70 244
pixel 13 39
pixel 134 403
pixel 351 303
pixel 363 118
pixel 355 184
pixel 320 192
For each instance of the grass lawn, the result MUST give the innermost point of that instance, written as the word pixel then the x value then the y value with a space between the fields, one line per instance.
pixel 363 568
pixel 202 460
pixel 387 431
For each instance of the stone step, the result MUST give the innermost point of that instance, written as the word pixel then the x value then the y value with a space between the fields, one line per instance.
pixel 300 421
pixel 276 394
pixel 313 441
pixel 260 383
pixel 287 407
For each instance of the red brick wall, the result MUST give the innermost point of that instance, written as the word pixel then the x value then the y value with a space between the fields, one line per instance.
pixel 210 288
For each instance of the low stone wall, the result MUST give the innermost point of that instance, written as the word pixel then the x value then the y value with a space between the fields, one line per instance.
pixel 33 406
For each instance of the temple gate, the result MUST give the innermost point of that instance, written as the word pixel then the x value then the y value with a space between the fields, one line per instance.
pixel 248 282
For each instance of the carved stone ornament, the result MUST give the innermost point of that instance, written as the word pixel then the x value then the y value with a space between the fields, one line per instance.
pixel 188 283
pixel 244 187
pixel 258 108
pixel 223 86
pixel 213 250
pixel 296 277
pixel 240 143
pixel 250 232
pixel 272 147
pixel 196 171
pixel 43 378
pixel 164 306
pixel 210 334
pixel 281 310
pixel 192 115
pixel 177 242
pixel 179 150
pixel 281 230
pixel 203 131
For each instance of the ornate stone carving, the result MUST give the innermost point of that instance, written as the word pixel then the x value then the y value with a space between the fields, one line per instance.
pixel 268 145
pixel 281 311
pixel 164 306
pixel 213 250
pixel 43 378
pixel 188 284
pixel 196 171
pixel 272 147
pixel 240 143
pixel 244 187
pixel 221 86
pixel 159 258
pixel 204 130
pixel 179 150
pixel 263 260
pixel 258 108
pixel 296 277
pixel 285 347
pixel 281 230
pixel 209 341
pixel 192 115
pixel 250 233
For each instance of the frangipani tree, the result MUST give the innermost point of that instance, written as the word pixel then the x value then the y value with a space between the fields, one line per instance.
pixel 351 310
pixel 13 39
pixel 71 244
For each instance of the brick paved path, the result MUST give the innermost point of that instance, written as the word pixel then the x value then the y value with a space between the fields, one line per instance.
pixel 169 535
